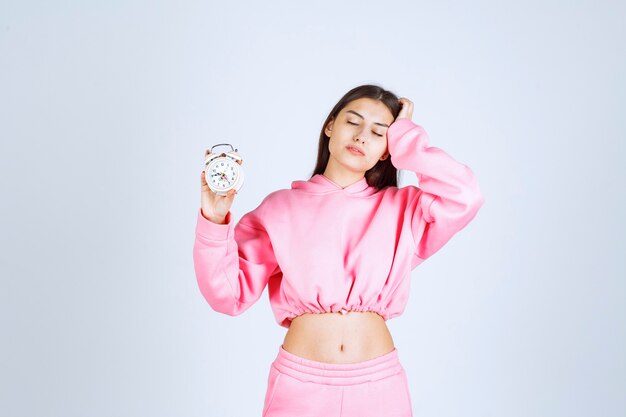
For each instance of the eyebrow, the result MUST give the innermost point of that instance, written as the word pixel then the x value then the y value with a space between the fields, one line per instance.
pixel 376 123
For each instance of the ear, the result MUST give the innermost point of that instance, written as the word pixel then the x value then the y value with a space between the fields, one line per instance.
pixel 385 156
pixel 329 127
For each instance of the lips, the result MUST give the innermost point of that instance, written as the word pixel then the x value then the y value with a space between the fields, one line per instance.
pixel 355 150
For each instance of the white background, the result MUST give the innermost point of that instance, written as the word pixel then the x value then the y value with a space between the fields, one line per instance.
pixel 106 109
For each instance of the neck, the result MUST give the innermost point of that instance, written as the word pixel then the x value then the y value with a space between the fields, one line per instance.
pixel 342 177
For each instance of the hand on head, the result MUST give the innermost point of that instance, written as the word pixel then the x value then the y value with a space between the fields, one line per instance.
pixel 406 112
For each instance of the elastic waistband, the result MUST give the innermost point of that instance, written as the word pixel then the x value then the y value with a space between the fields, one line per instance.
pixel 308 370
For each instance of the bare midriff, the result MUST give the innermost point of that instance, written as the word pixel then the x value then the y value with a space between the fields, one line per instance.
pixel 350 337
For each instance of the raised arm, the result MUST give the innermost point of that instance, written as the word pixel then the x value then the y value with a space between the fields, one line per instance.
pixel 448 197
pixel 233 264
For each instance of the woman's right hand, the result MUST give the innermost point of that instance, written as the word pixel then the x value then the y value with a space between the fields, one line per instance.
pixel 214 207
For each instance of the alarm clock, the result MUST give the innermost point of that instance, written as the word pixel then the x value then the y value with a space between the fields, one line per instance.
pixel 223 171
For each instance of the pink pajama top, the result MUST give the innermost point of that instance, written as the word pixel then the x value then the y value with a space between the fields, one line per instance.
pixel 322 248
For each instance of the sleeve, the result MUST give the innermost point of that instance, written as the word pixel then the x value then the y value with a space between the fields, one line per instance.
pixel 233 264
pixel 448 196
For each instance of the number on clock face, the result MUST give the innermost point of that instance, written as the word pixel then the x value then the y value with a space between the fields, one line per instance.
pixel 223 174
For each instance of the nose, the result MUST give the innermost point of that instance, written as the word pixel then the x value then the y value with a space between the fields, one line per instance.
pixel 359 136
pixel 362 134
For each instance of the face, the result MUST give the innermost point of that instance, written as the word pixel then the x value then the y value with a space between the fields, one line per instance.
pixel 360 126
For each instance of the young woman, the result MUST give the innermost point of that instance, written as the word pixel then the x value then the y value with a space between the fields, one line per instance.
pixel 336 252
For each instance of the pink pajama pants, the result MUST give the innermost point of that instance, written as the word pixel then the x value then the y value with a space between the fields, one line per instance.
pixel 300 387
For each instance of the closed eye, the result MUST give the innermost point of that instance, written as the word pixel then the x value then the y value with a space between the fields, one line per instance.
pixel 356 124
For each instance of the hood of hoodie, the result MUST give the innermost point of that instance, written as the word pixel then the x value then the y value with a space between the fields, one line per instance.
pixel 320 184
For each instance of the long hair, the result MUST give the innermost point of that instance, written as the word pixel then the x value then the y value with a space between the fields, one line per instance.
pixel 382 174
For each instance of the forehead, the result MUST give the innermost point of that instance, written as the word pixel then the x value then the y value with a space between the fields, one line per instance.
pixel 370 109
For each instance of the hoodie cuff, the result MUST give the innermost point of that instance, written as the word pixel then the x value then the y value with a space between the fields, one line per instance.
pixel 214 231
pixel 399 128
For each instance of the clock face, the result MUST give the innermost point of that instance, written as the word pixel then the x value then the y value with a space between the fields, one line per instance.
pixel 223 173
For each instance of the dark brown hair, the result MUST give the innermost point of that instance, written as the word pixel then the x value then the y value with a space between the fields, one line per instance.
pixel 382 174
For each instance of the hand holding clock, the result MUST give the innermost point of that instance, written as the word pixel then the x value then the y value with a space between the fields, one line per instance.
pixel 215 206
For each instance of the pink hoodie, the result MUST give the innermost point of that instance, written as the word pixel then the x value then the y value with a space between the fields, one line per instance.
pixel 322 248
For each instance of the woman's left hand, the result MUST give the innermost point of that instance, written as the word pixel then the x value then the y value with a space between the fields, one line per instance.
pixel 406 112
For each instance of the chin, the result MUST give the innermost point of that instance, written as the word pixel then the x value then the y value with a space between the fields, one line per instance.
pixel 359 169
pixel 349 165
